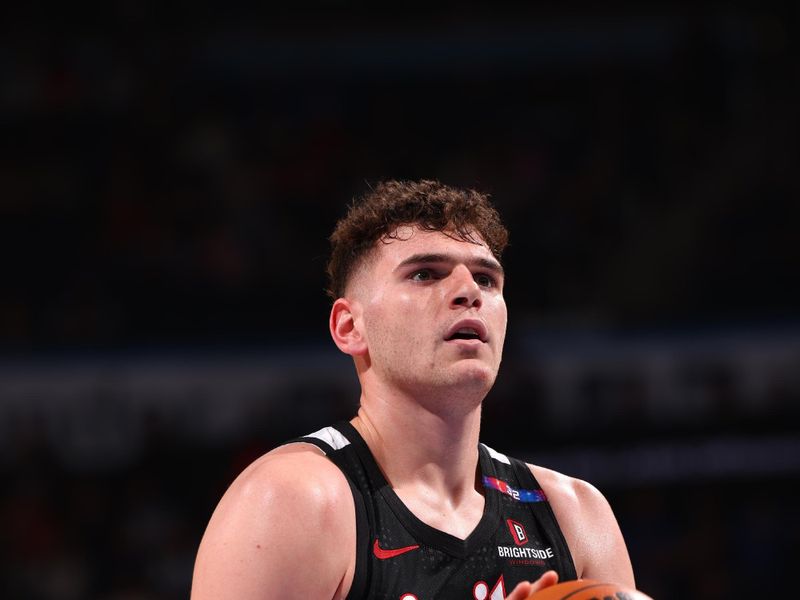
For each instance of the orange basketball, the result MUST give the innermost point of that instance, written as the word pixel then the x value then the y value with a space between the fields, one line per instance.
pixel 588 589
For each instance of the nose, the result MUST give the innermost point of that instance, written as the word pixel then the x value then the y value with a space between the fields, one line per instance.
pixel 466 292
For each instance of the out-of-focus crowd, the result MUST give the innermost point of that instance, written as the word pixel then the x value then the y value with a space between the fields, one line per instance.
pixel 177 183
pixel 167 184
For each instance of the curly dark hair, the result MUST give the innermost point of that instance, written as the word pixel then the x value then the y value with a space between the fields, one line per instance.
pixel 430 205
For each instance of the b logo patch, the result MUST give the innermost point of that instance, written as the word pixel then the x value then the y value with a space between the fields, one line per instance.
pixel 517 532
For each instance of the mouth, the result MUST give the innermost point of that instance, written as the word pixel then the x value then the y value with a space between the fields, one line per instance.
pixel 470 331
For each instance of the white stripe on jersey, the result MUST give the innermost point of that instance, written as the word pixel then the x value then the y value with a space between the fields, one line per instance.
pixel 496 455
pixel 330 436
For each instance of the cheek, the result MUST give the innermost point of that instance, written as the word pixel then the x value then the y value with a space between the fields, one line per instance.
pixel 389 319
pixel 500 319
pixel 499 310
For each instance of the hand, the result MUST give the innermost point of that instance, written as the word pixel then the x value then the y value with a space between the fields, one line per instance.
pixel 526 588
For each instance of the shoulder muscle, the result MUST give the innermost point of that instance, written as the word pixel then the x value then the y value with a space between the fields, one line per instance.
pixel 285 528
pixel 589 526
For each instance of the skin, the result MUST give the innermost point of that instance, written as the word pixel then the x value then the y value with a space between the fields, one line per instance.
pixel 278 534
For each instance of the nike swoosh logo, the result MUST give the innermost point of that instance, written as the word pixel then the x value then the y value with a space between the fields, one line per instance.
pixel 384 553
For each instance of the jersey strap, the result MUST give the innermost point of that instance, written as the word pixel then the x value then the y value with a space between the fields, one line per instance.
pixel 543 511
pixel 335 444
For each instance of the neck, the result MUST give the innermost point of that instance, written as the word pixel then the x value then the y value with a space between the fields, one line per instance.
pixel 422 443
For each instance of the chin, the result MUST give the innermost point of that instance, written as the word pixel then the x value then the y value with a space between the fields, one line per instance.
pixel 477 375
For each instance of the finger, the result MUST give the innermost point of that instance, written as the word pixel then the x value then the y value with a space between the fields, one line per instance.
pixel 547 579
pixel 521 592
pixel 525 588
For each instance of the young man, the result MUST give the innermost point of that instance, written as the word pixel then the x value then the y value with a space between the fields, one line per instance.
pixel 402 502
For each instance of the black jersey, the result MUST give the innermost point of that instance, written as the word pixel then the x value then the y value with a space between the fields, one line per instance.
pixel 401 558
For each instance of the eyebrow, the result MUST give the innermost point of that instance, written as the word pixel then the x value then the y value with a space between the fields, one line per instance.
pixel 425 258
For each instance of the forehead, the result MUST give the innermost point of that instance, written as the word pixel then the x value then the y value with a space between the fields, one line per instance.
pixel 408 240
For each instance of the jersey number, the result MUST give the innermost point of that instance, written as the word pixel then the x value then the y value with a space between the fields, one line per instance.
pixel 480 590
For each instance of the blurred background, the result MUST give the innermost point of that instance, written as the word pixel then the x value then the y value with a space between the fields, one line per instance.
pixel 169 176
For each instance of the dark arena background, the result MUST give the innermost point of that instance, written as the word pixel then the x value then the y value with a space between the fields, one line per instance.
pixel 168 179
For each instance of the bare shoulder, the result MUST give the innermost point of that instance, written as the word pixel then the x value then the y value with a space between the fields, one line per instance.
pixel 289 508
pixel 569 493
pixel 293 479
pixel 589 526
pixel 297 471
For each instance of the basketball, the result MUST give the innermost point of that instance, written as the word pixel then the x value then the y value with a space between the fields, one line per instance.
pixel 588 589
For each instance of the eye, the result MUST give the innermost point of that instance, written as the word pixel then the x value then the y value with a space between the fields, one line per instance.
pixel 484 280
pixel 422 275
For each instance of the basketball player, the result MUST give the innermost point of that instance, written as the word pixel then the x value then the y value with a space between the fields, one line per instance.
pixel 403 502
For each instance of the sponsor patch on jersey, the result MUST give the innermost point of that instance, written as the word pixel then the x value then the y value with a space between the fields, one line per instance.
pixel 517 532
pixel 518 495
pixel 532 556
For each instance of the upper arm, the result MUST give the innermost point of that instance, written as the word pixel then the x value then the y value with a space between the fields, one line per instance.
pixel 284 529
pixel 589 527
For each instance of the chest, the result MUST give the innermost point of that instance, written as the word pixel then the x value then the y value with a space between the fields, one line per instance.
pixel 458 521
pixel 410 560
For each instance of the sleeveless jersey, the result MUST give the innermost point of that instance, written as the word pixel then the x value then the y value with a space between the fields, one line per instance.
pixel 401 558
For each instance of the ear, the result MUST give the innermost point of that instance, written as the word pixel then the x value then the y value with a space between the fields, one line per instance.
pixel 344 328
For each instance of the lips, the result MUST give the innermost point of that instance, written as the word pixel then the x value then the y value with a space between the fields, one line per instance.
pixel 467 329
